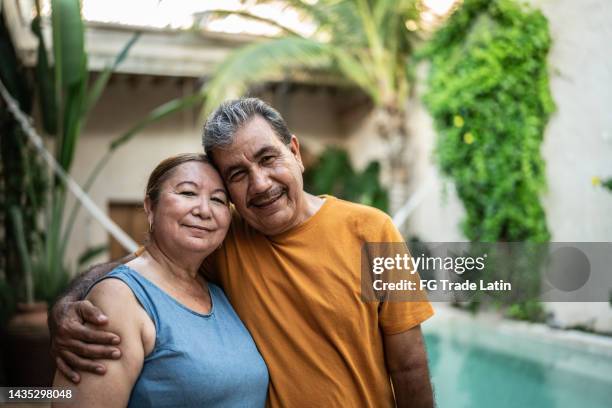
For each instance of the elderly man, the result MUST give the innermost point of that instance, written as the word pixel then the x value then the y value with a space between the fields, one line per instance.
pixel 290 265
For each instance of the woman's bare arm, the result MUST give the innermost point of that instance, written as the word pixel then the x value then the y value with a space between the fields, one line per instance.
pixel 79 330
pixel 127 319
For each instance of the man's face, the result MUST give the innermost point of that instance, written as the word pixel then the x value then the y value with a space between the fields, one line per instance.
pixel 264 177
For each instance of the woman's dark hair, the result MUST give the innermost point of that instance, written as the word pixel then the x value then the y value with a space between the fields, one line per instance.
pixel 164 170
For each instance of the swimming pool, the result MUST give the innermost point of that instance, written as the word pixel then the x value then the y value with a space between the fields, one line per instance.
pixel 478 363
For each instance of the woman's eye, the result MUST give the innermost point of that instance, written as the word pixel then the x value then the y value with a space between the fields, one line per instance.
pixel 187 193
pixel 219 200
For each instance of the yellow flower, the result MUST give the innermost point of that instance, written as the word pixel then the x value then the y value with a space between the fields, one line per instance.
pixel 595 181
pixel 458 121
pixel 411 25
pixel 468 138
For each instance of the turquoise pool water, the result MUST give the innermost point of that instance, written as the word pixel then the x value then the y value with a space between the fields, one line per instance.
pixel 473 368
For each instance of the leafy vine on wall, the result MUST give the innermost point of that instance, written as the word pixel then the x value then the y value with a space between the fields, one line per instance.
pixel 488 92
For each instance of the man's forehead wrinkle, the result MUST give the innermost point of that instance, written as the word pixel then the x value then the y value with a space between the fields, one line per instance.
pixel 266 149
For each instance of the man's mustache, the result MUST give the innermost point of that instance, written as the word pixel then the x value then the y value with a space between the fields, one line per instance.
pixel 266 196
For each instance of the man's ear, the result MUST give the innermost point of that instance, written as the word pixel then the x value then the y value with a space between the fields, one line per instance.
pixel 294 146
pixel 149 212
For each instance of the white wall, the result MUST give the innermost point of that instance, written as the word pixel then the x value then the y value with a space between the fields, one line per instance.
pixel 578 142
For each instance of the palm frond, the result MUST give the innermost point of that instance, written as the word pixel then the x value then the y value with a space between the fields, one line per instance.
pixel 317 12
pixel 267 60
pixel 254 17
pixel 343 24
pixel 357 69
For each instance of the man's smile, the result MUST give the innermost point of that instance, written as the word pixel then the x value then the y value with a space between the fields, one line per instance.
pixel 265 200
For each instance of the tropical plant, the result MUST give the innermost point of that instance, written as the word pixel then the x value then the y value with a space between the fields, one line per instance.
pixel 23 181
pixel 65 97
pixel 490 99
pixel 334 174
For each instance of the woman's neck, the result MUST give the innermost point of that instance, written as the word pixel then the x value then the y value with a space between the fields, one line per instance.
pixel 185 268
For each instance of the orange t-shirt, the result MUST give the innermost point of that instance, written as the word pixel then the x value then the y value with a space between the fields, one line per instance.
pixel 299 294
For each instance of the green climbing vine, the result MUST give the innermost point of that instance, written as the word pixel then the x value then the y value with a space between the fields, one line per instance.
pixel 489 95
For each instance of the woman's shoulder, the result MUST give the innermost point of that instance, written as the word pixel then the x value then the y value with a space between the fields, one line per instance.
pixel 112 292
pixel 126 317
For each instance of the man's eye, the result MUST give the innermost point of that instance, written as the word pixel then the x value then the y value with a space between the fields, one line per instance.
pixel 237 176
pixel 267 159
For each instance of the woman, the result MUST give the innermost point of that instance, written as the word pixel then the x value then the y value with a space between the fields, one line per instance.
pixel 182 343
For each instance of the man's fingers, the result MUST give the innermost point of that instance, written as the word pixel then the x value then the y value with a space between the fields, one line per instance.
pixel 93 351
pixel 82 364
pixel 66 371
pixel 89 335
pixel 90 313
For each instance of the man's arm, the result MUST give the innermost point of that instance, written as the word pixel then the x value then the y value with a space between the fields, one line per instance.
pixel 74 344
pixel 407 363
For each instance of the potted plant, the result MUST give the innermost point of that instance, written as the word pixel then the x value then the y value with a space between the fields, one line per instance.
pixel 34 269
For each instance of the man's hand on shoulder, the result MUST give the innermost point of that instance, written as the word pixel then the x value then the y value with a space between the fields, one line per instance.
pixel 74 344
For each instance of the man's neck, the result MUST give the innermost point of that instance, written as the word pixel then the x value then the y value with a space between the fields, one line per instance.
pixel 313 204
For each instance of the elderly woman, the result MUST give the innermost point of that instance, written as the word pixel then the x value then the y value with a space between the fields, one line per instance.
pixel 183 345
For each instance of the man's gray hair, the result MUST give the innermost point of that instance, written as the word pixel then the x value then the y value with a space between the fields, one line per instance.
pixel 222 125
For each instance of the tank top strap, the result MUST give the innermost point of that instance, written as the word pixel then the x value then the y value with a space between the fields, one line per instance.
pixel 139 287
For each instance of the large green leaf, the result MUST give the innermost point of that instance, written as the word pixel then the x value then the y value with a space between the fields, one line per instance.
pixel 68 42
pixel 47 97
pixel 70 74
pixel 73 110
pixel 24 255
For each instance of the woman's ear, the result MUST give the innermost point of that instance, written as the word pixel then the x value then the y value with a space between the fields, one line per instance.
pixel 149 212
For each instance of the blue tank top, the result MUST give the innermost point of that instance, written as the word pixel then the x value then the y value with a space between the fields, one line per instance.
pixel 199 360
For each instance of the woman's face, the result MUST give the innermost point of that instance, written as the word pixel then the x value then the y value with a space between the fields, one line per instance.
pixel 192 213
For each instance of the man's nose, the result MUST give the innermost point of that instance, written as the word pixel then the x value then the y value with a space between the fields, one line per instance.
pixel 259 181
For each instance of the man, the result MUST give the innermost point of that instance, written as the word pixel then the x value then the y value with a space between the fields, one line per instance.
pixel 290 265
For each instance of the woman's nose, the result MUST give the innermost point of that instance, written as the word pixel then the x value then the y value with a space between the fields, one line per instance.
pixel 202 209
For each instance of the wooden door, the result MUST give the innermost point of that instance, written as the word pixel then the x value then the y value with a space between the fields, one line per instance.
pixel 131 218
